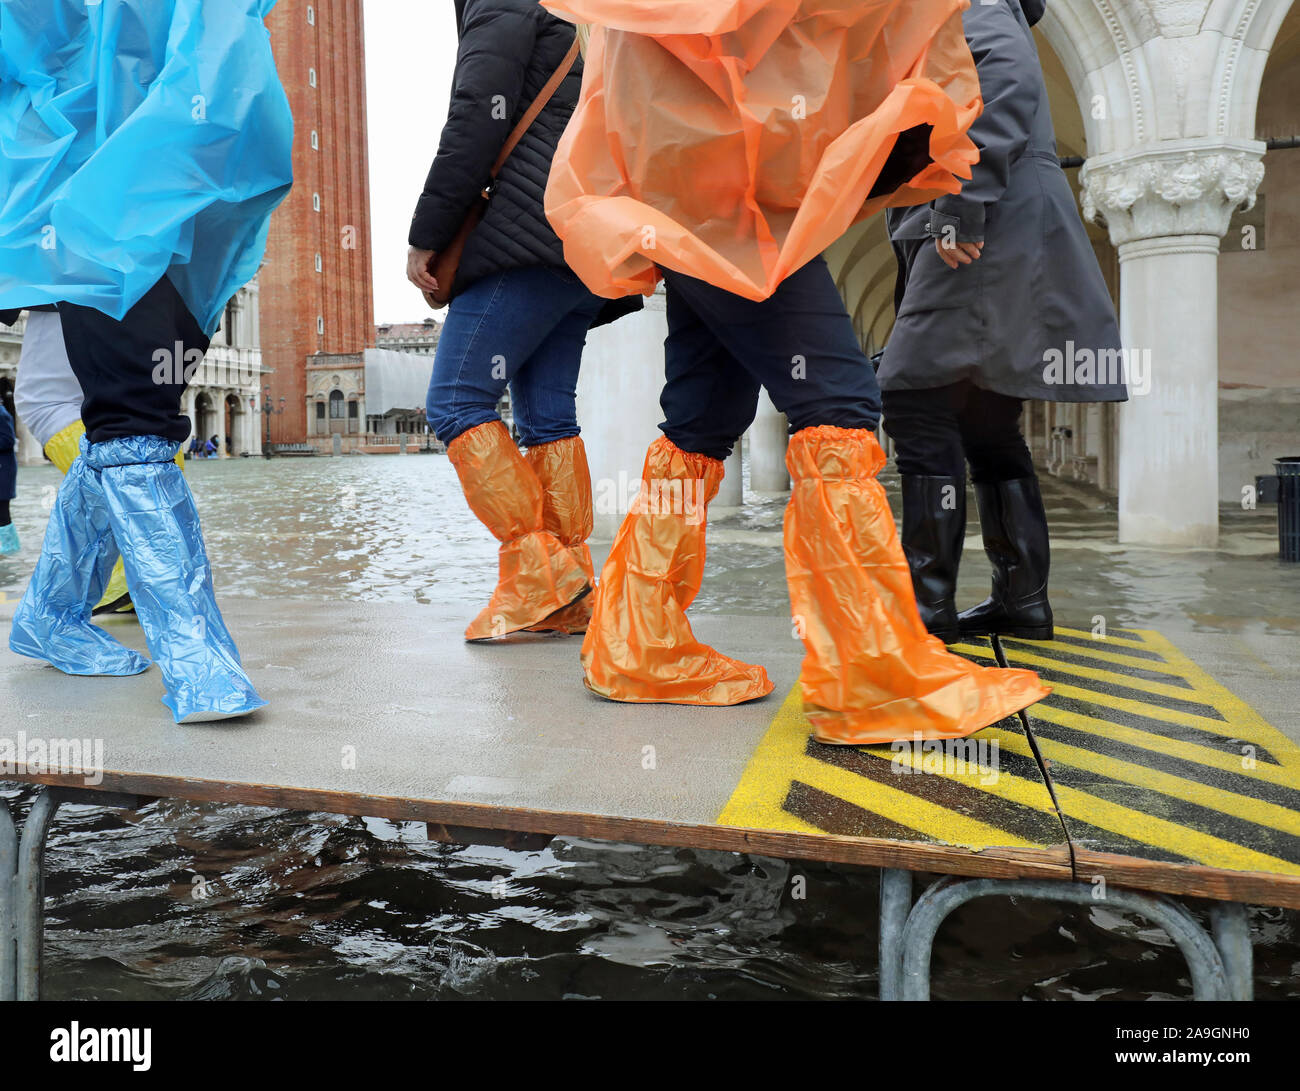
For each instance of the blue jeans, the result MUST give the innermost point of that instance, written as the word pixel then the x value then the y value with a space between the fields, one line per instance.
pixel 799 344
pixel 524 328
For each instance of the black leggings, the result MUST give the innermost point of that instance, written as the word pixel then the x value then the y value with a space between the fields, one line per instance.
pixel 133 372
pixel 937 431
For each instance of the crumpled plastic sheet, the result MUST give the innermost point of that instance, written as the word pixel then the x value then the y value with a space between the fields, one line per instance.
pixel 137 138
pixel 736 140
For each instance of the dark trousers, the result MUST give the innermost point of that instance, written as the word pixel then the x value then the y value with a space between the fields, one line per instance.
pixel 8 461
pixel 133 372
pixel 722 349
pixel 937 431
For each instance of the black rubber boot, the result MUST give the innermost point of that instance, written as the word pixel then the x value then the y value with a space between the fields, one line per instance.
pixel 1014 525
pixel 934 527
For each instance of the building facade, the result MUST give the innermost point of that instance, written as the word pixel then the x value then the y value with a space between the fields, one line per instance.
pixel 316 283
pixel 417 338
pixel 339 417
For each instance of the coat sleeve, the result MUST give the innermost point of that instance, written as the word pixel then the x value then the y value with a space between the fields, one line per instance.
pixel 1008 68
pixel 496 47
pixel 8 441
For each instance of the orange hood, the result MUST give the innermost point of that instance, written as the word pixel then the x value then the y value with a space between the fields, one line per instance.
pixel 735 140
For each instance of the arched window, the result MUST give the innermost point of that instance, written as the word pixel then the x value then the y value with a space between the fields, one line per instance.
pixel 311 77
pixel 311 16
pixel 337 404
pixel 315 141
pixel 318 263
pixel 320 323
pixel 315 202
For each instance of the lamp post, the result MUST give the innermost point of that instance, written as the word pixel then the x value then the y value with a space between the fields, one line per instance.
pixel 269 411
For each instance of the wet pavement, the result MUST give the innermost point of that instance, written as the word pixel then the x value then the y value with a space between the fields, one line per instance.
pixel 368 907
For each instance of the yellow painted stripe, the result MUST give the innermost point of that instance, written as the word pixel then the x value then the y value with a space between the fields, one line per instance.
pixel 780 759
pixel 1162 744
pixel 1258 811
pixel 1225 728
pixel 1191 844
pixel 1100 653
pixel 1023 658
pixel 898 805
pixel 1137 639
pixel 1229 705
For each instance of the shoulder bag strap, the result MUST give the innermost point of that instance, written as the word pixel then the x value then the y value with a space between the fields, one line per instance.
pixel 539 104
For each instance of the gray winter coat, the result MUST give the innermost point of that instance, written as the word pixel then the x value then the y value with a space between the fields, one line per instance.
pixel 1032 317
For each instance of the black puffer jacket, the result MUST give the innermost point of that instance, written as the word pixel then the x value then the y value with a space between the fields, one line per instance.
pixel 508 51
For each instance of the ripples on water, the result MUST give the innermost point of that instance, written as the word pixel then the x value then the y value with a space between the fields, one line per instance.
pixel 184 901
pixel 189 901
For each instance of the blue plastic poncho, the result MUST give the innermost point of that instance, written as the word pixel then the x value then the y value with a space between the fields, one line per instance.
pixel 137 138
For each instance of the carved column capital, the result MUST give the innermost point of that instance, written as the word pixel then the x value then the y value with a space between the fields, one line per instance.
pixel 1176 188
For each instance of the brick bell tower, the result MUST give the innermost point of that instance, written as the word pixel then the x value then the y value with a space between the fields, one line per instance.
pixel 316 283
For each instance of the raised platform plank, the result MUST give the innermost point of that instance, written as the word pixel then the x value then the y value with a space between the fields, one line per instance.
pixel 386 711
pixel 1165 779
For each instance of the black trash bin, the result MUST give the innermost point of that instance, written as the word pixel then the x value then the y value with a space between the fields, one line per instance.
pixel 1288 508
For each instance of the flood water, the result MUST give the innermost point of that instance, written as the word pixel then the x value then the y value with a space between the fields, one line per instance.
pixel 187 901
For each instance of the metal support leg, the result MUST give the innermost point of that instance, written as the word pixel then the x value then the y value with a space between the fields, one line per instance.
pixel 22 885
pixel 1209 978
pixel 29 897
pixel 1232 938
pixel 23 902
pixel 895 904
pixel 8 867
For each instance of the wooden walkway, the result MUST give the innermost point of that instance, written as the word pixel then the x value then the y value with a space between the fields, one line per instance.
pixel 1140 769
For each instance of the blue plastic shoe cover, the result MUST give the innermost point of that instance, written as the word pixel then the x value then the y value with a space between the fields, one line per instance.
pixel 53 620
pixel 157 528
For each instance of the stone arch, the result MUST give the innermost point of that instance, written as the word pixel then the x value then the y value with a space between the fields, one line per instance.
pixel 1252 27
pixel 1163 69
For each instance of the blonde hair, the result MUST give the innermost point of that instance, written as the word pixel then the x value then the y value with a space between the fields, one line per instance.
pixel 584 37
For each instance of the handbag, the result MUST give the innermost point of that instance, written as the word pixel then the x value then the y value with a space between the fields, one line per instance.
pixel 447 261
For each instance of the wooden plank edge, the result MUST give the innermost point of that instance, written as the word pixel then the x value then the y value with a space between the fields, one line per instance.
pixel 991 863
pixel 1189 880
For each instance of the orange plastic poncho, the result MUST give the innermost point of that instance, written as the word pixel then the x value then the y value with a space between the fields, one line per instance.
pixel 735 140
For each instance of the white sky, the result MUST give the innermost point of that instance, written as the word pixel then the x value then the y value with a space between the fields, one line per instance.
pixel 410 57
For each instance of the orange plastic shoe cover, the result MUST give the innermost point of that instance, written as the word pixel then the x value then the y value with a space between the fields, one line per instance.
pixel 561 467
pixel 537 575
pixel 872 674
pixel 789 108
pixel 639 646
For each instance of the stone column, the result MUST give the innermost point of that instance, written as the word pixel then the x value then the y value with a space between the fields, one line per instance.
pixel 618 406
pixel 1166 207
pixel 187 408
pixel 768 439
pixel 731 493
pixel 29 451
pixel 255 424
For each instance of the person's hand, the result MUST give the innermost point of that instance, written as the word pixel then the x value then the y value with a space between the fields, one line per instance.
pixel 953 254
pixel 417 269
